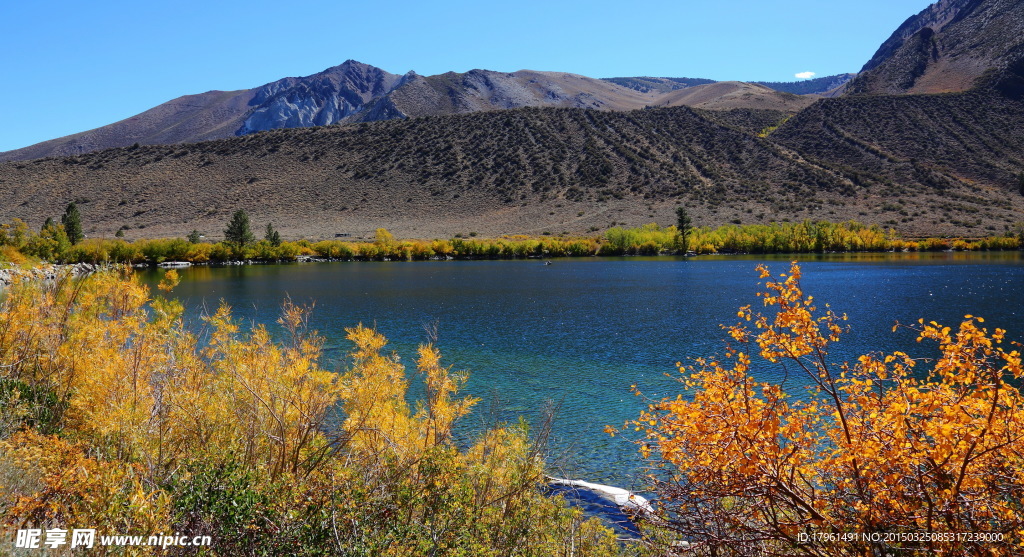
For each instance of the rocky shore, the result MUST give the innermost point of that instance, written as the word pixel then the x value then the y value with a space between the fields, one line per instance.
pixel 45 272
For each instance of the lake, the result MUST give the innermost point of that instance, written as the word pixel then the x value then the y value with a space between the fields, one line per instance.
pixel 578 333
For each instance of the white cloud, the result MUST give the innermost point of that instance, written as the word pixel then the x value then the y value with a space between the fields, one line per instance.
pixel 804 75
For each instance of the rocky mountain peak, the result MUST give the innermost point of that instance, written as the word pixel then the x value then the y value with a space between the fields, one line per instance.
pixel 933 18
pixel 950 46
pixel 317 100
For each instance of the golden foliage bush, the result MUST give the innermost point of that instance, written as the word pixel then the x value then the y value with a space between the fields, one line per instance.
pixel 887 445
pixel 18 243
pixel 114 416
pixel 51 483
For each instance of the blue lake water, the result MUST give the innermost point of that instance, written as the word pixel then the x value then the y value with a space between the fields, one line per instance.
pixel 578 333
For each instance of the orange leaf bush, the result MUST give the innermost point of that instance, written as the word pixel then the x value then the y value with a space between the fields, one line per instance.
pixel 891 451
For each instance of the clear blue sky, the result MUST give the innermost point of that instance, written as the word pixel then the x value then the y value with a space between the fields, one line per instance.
pixel 72 66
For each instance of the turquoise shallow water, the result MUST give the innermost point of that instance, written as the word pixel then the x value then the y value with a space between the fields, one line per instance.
pixel 579 332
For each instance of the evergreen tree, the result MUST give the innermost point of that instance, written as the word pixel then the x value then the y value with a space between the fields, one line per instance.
pixel 194 237
pixel 72 221
pixel 684 225
pixel 238 231
pixel 272 236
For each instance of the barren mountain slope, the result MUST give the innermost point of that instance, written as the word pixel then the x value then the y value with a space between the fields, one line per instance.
pixel 513 171
pixel 657 84
pixel 525 170
pixel 726 95
pixel 920 144
pixel 209 115
pixel 818 85
pixel 357 92
pixel 952 45
pixel 322 98
pixel 825 86
pixel 477 90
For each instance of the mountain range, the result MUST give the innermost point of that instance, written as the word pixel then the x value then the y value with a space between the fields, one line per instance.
pixel 924 139
pixel 357 92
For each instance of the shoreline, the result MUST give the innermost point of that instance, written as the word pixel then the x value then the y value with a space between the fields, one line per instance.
pixel 689 255
pixel 46 271
pixel 51 271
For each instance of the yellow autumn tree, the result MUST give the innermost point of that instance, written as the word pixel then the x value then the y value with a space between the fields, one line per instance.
pixel 275 395
pixel 114 415
pixel 886 454
pixel 425 496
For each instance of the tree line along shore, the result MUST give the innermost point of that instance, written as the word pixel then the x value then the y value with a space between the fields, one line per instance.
pixel 64 243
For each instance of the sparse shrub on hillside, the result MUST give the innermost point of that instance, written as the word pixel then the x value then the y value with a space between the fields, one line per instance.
pixel 532 156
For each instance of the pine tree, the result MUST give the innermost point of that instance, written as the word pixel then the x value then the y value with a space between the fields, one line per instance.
pixel 238 231
pixel 684 225
pixel 72 221
pixel 272 236
pixel 194 237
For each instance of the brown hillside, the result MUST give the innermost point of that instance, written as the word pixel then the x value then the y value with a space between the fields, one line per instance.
pixel 513 171
pixel 190 118
pixel 751 121
pixel 951 46
pixel 657 85
pixel 356 92
pixel 526 170
pixel 319 99
pixel 726 95
pixel 480 90
pixel 964 150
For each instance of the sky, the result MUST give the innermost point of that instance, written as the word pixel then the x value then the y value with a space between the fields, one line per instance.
pixel 68 67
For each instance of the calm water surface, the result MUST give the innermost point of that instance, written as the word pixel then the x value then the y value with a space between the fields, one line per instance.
pixel 579 332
